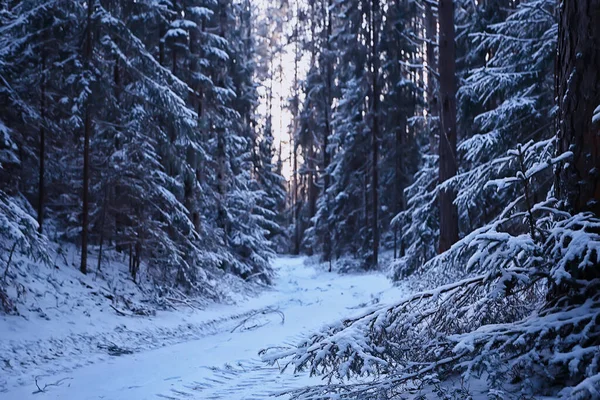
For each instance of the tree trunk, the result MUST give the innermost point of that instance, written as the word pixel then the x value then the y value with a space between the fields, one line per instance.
pixel 103 223
pixel 86 146
pixel 326 155
pixel 447 144
pixel 312 187
pixel 296 205
pixel 578 95
pixel 295 116
pixel 398 177
pixel 42 155
pixel 366 196
pixel 432 92
pixel 375 131
pixel 174 47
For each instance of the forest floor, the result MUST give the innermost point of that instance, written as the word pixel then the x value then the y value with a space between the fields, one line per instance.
pixel 185 354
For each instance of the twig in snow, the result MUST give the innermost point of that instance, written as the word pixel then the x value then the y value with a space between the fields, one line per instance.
pixel 184 302
pixel 253 276
pixel 119 311
pixel 47 385
pixel 260 312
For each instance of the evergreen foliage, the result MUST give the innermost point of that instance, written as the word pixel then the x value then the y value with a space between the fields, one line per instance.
pixel 514 300
pixel 166 94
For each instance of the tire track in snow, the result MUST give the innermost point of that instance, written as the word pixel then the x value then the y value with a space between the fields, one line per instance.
pixel 220 359
pixel 63 355
pixel 252 380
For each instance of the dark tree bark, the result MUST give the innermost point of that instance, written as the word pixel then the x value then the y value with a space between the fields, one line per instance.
pixel 400 154
pixel 175 43
pixel 295 115
pixel 578 94
pixel 432 92
pixel 312 187
pixel 86 146
pixel 327 133
pixel 296 203
pixel 398 201
pixel 42 155
pixel 309 153
pixel 447 145
pixel 375 131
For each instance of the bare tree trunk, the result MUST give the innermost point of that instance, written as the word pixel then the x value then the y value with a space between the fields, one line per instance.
pixel 86 146
pixel 432 89
pixel 312 187
pixel 366 196
pixel 447 145
pixel 295 204
pixel 375 131
pixel 312 193
pixel 137 258
pixel 42 155
pixel 103 223
pixel 398 200
pixel 327 133
pixel 578 95
pixel 295 116
pixel 398 181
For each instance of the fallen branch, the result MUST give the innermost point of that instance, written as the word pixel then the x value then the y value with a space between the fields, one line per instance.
pixel 122 313
pixel 115 350
pixel 265 311
pixel 184 302
pixel 254 276
pixel 46 386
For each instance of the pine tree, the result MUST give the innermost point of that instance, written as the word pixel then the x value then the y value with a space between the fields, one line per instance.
pixel 401 129
pixel 272 184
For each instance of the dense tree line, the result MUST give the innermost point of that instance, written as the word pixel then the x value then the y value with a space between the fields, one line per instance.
pixel 132 126
pixel 405 106
pixel 460 134
pixel 498 225
pixel 360 125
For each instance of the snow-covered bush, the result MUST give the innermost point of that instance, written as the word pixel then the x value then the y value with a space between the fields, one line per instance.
pixel 18 235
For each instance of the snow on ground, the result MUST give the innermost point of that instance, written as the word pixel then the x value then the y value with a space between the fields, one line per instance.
pixel 184 354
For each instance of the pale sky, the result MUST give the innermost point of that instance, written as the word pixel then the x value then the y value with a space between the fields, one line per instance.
pixel 282 91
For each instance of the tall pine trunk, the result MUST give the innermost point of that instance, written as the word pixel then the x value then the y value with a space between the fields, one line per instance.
pixel 42 155
pixel 295 116
pixel 312 187
pixel 432 92
pixel 326 155
pixel 86 145
pixel 447 144
pixel 578 95
pixel 398 201
pixel 375 132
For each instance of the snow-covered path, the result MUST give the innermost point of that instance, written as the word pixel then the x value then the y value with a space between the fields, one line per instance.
pixel 223 363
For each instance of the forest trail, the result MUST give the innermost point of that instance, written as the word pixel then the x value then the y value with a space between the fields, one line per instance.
pixel 224 362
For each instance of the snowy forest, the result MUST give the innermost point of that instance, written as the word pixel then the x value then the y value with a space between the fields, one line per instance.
pixel 301 199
